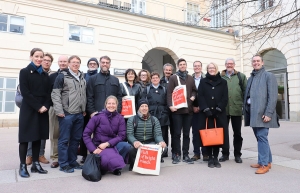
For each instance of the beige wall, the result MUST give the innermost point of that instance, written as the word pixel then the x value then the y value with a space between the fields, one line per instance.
pixel 126 38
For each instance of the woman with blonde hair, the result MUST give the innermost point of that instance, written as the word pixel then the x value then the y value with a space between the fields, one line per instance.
pixel 213 98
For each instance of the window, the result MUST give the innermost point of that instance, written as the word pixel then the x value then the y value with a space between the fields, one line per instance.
pixel 7 94
pixel 138 6
pixel 219 13
pixel 192 14
pixel 265 4
pixel 81 34
pixel 13 24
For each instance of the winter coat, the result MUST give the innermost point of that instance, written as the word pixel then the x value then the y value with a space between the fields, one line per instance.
pixel 190 89
pixel 157 99
pixel 143 85
pixel 235 93
pixel 144 132
pixel 99 87
pixel 69 94
pixel 135 90
pixel 212 93
pixel 262 89
pixel 195 103
pixel 164 82
pixel 106 127
pixel 89 74
pixel 36 92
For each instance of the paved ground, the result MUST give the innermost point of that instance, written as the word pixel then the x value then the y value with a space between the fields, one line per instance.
pixel 232 177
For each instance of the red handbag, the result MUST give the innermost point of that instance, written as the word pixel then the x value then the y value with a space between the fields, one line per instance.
pixel 212 136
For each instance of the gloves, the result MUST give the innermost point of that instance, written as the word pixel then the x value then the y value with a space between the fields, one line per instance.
pixel 219 110
pixel 207 112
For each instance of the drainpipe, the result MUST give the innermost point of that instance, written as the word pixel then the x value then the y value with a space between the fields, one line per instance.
pixel 241 38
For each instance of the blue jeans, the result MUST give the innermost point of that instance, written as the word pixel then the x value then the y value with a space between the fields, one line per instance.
pixel 123 148
pixel 70 132
pixel 42 150
pixel 264 151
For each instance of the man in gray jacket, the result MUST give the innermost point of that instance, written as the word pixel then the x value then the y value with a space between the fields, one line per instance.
pixel 260 110
pixel 69 102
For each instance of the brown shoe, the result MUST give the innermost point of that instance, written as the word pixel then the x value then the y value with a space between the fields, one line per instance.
pixel 54 165
pixel 43 160
pixel 262 170
pixel 29 160
pixel 195 157
pixel 258 166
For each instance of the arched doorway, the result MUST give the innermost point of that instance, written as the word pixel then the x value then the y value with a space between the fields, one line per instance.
pixel 275 62
pixel 155 58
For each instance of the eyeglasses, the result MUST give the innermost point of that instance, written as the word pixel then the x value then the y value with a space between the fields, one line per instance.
pixel 229 63
pixel 47 60
pixel 95 64
pixel 211 68
pixel 143 74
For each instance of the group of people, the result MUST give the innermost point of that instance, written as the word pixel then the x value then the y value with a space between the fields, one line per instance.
pixel 83 110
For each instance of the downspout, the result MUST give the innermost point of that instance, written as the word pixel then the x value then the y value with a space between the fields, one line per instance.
pixel 241 38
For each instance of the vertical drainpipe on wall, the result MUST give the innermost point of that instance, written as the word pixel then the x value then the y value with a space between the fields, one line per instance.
pixel 241 39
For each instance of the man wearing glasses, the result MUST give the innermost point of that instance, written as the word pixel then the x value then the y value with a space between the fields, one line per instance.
pixel 100 86
pixel 236 82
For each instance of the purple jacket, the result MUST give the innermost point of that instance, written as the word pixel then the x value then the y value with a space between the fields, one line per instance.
pixel 106 127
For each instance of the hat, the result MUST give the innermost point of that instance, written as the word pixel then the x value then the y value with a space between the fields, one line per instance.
pixel 93 59
pixel 142 101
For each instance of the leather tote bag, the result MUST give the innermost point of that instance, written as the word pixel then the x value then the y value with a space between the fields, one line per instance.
pixel 212 136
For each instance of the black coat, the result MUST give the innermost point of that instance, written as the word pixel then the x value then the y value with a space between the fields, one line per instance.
pixel 99 87
pixel 36 92
pixel 157 99
pixel 212 93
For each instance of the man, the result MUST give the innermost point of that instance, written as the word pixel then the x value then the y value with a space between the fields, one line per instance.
pixel 93 66
pixel 164 81
pixel 236 82
pixel 53 121
pixel 260 110
pixel 46 64
pixel 69 103
pixel 101 86
pixel 146 130
pixel 198 75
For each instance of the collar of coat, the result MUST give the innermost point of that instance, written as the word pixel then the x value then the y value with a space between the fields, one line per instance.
pixel 67 72
pixel 224 72
pixel 202 75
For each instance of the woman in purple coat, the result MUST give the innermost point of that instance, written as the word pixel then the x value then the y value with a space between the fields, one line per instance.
pixel 109 130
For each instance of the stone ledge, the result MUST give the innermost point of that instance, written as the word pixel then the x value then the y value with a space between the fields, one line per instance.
pixel 9 122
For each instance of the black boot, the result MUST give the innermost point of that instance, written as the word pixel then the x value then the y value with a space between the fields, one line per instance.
pixel 117 172
pixel 23 171
pixel 37 168
pixel 217 163
pixel 211 163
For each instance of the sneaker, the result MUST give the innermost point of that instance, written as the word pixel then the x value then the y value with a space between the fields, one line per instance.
pixel 217 163
pixel 195 157
pixel 176 159
pixel 187 159
pixel 77 166
pixel 28 160
pixel 66 169
pixel 43 160
pixel 205 158
pixel 211 163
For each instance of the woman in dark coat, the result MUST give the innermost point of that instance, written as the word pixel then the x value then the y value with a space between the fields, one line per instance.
pixel 33 119
pixel 213 98
pixel 144 78
pixel 156 95
pixel 109 130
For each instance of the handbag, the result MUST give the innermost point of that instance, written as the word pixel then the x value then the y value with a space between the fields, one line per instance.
pixel 19 97
pixel 91 168
pixel 212 136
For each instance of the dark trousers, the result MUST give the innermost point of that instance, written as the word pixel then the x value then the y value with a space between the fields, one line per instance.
pixel 132 154
pixel 83 149
pixel 196 136
pixel 171 126
pixel 213 151
pixel 181 122
pixel 35 151
pixel 70 132
pixel 165 134
pixel 236 123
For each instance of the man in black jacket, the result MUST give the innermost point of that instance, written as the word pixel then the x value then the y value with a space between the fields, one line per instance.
pixel 100 86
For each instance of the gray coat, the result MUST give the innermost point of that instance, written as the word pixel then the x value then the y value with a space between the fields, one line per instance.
pixel 262 89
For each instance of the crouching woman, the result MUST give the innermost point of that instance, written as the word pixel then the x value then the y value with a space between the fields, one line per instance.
pixel 109 130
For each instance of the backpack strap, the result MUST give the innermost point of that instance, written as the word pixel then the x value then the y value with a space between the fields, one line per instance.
pixel 135 123
pixel 153 124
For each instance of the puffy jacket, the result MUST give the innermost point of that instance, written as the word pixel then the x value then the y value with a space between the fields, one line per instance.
pixel 69 94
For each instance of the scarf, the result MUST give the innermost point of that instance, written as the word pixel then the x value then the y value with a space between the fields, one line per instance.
pixel 38 69
pixel 144 117
pixel 255 72
pixel 181 74
pixel 213 77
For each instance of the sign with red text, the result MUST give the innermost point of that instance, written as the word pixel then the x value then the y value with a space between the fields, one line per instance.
pixel 179 97
pixel 147 160
pixel 128 106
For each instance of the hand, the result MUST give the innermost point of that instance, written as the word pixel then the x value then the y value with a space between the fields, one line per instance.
pixel 137 144
pixel 97 151
pixel 207 112
pixel 162 144
pixel 61 115
pixel 42 109
pixel 94 113
pixel 102 146
pixel 196 109
pixel 84 114
pixel 173 109
pixel 219 110
pixel 192 98
pixel 266 118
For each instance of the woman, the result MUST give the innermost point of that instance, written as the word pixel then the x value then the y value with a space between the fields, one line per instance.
pixel 131 87
pixel 213 98
pixel 33 119
pixel 157 98
pixel 182 118
pixel 109 130
pixel 144 78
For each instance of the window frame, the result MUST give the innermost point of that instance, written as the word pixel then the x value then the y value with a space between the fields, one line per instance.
pixel 81 35
pixel 135 8
pixel 219 14
pixel 4 89
pixel 265 4
pixel 192 13
pixel 8 24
